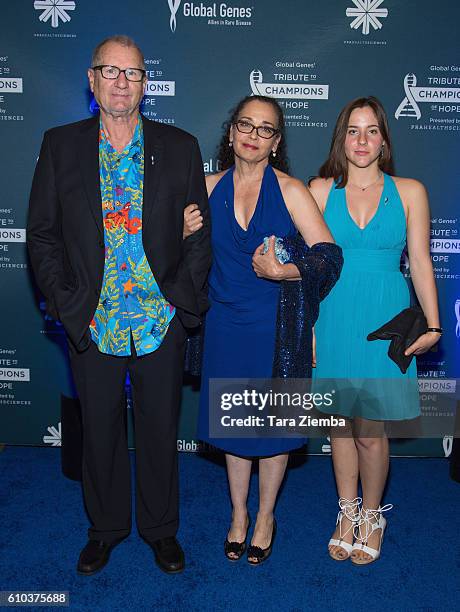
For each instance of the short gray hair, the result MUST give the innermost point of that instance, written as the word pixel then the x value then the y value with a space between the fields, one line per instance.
pixel 119 39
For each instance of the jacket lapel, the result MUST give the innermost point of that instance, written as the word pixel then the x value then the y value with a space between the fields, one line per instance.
pixel 153 158
pixel 88 157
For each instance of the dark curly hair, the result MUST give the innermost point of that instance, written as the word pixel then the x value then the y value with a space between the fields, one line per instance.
pixel 226 156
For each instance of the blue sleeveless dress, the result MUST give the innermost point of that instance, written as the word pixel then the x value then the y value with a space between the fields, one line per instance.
pixel 240 325
pixel 370 291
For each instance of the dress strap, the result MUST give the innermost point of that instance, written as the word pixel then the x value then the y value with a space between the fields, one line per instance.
pixel 335 203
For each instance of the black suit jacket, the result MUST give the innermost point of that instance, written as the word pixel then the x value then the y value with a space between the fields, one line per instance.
pixel 65 234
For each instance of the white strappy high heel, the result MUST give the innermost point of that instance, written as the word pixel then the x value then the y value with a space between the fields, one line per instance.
pixel 370 520
pixel 349 509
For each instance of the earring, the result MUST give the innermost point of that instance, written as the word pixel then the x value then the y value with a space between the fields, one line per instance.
pixel 230 143
pixel 274 153
pixel 381 150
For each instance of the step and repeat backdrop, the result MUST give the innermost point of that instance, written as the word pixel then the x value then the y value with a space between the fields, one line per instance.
pixel 201 58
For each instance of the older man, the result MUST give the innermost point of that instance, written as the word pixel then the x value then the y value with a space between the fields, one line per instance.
pixel 105 240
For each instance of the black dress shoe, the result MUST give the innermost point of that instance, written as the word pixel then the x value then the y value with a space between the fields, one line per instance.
pixel 257 555
pixel 94 556
pixel 234 550
pixel 169 555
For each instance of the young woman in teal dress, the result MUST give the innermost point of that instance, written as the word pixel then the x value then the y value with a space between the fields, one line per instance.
pixel 371 215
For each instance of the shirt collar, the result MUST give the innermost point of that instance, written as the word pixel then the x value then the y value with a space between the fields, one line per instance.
pixel 136 142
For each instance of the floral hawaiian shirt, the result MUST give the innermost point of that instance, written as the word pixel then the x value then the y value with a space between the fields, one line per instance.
pixel 131 302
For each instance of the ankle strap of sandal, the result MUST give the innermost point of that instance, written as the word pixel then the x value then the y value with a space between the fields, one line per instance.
pixel 370 518
pixel 350 507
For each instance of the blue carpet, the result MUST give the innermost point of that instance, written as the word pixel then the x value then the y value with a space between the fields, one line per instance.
pixel 43 527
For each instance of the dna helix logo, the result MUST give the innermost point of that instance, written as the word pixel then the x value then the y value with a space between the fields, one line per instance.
pixel 443 97
pixel 447 443
pixel 173 7
pixel 254 78
pixel 408 107
pixel 457 315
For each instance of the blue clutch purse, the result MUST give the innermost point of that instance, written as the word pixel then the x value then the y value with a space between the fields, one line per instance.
pixel 280 252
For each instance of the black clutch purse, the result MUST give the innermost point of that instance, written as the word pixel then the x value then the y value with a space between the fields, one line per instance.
pixel 402 330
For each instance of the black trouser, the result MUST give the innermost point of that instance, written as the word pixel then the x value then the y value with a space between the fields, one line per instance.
pixel 156 381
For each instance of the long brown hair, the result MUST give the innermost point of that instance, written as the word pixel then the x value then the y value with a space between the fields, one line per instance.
pixel 336 164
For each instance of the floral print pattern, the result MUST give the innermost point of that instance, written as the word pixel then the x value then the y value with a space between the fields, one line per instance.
pixel 131 302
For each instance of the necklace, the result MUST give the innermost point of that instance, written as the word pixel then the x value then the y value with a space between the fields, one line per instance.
pixel 370 184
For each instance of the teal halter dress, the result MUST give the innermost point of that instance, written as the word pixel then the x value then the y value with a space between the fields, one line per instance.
pixel 370 291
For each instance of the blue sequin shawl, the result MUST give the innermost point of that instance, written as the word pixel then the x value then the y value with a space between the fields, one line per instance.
pixel 298 306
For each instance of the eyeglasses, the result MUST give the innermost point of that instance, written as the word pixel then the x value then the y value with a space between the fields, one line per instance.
pixel 264 131
pixel 113 72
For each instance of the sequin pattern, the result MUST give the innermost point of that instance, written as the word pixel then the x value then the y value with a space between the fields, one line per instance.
pixel 298 307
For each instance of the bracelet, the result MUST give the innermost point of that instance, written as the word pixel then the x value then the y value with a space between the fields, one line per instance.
pixel 437 330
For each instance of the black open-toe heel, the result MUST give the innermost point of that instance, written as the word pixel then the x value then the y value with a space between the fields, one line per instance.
pixel 236 548
pixel 261 554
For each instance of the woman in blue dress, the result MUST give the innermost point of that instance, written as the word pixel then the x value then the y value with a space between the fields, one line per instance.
pixel 371 215
pixel 249 200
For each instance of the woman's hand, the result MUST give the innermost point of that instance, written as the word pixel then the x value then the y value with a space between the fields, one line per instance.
pixel 266 265
pixel 193 221
pixel 423 343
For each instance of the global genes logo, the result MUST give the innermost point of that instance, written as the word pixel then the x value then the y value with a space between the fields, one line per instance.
pixel 56 10
pixel 446 98
pixel 216 13
pixel 366 13
pixel 173 7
